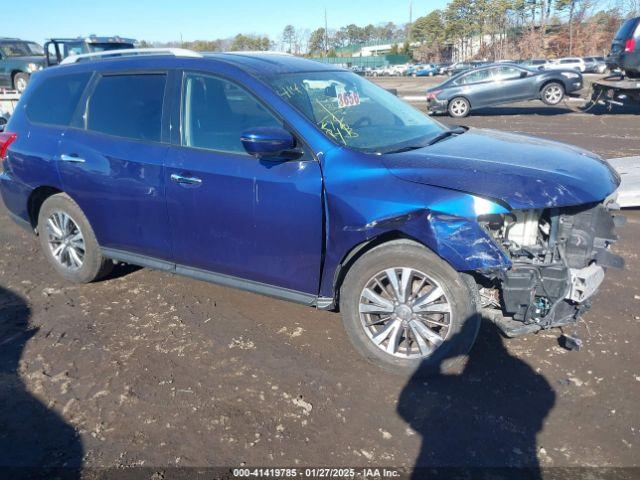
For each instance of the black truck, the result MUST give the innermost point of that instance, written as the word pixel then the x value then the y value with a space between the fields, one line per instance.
pixel 57 49
pixel 625 49
pixel 625 58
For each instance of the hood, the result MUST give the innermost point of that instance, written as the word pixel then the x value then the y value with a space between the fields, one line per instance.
pixel 521 171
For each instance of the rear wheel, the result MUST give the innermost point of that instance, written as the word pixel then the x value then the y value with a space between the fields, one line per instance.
pixel 459 107
pixel 68 242
pixel 408 311
pixel 20 81
pixel 552 93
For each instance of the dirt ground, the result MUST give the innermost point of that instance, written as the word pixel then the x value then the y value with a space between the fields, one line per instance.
pixel 150 369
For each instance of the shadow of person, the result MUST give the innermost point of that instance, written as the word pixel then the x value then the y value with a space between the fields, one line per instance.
pixel 485 418
pixel 35 442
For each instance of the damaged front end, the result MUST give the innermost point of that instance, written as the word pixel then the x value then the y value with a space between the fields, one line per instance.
pixel 558 258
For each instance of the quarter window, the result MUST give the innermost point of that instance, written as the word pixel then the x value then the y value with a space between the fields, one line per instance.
pixel 128 106
pixel 215 112
pixel 55 99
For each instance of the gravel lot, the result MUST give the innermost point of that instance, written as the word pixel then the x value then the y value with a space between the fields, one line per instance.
pixel 150 369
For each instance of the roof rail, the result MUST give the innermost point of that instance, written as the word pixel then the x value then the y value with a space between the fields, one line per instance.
pixel 176 52
pixel 257 52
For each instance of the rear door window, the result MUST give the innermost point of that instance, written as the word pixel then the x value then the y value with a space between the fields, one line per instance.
pixel 55 99
pixel 506 73
pixel 477 76
pixel 128 106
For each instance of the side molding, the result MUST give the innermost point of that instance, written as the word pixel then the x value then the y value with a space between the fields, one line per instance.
pixel 218 278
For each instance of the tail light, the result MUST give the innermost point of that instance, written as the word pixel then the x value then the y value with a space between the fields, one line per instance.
pixel 630 45
pixel 6 139
pixel 433 95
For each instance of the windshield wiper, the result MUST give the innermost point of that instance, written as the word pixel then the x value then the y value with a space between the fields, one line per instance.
pixel 447 134
pixel 406 149
pixel 441 136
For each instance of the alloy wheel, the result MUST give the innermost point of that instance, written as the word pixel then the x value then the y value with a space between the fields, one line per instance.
pixel 405 313
pixel 553 94
pixel 65 241
pixel 459 107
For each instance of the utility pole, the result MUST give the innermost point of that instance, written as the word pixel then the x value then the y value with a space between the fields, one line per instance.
pixel 326 34
pixel 410 20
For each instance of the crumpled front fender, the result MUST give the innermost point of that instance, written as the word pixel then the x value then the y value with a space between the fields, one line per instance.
pixel 465 244
pixel 366 205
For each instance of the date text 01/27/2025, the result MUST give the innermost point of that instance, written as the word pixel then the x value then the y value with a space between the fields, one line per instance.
pixel 364 473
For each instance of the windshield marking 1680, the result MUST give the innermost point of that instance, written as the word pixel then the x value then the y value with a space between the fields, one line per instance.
pixel 356 113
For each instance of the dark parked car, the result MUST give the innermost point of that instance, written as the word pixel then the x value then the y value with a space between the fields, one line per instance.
pixel 500 83
pixel 625 49
pixel 18 60
pixel 298 180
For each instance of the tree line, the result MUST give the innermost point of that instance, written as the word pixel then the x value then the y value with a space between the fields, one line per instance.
pixel 500 29
pixel 238 43
pixel 464 29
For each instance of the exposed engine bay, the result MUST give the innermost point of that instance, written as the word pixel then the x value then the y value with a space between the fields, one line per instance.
pixel 558 255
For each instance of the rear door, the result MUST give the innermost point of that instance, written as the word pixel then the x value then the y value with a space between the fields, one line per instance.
pixel 478 87
pixel 112 164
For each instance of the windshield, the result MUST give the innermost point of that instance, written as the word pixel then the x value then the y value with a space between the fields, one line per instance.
pixel 20 49
pixel 356 113
pixel 35 48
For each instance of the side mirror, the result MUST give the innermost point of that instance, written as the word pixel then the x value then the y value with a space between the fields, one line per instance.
pixel 524 74
pixel 267 141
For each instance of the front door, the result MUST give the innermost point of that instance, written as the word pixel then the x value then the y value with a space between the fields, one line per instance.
pixel 512 83
pixel 234 214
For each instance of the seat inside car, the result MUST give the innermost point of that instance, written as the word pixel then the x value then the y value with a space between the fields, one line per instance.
pixel 209 120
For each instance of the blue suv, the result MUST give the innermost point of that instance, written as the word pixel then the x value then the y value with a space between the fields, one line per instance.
pixel 301 181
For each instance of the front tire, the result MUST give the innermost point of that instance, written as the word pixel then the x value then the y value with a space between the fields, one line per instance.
pixel 552 93
pixel 459 107
pixel 407 311
pixel 20 81
pixel 68 242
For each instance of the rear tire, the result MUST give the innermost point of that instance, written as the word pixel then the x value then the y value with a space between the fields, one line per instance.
pixel 68 242
pixel 552 93
pixel 444 289
pixel 459 107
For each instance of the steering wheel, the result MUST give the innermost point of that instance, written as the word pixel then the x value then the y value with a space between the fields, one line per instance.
pixel 361 121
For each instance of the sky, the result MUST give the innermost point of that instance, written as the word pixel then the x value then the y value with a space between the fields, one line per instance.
pixel 165 20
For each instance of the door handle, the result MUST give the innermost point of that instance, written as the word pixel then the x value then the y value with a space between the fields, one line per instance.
pixel 71 158
pixel 176 177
